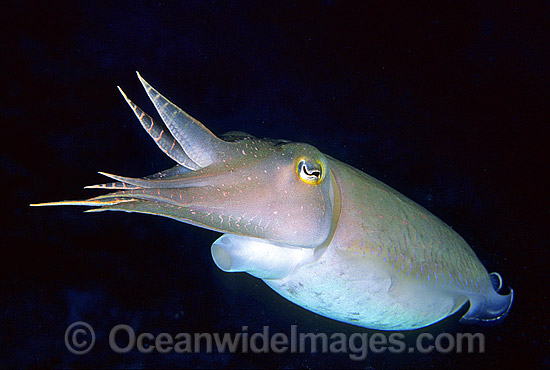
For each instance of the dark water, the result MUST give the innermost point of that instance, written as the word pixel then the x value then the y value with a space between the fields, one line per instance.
pixel 444 103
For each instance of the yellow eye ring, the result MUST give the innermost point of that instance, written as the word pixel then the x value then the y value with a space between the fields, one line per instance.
pixel 310 172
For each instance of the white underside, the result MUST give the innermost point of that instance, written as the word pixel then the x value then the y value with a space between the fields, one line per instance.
pixel 336 287
pixel 375 298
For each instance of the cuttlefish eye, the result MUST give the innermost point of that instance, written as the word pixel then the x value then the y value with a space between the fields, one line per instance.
pixel 311 172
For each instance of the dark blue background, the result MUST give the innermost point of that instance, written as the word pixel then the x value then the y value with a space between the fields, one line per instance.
pixel 446 103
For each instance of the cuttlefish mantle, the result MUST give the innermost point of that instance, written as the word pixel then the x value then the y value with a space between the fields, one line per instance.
pixel 322 234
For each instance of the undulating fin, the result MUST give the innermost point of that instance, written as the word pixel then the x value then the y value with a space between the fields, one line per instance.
pixel 162 136
pixel 496 280
pixel 491 308
pixel 198 142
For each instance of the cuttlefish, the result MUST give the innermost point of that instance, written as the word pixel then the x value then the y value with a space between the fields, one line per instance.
pixel 319 232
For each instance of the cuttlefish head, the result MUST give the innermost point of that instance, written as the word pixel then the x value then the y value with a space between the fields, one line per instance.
pixel 265 195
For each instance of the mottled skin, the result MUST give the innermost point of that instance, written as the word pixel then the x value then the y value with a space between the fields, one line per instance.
pixel 321 233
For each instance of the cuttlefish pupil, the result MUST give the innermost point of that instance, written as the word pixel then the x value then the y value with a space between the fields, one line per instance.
pixel 310 173
pixel 322 234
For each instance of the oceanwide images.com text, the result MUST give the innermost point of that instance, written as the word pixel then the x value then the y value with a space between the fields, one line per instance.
pixel 80 339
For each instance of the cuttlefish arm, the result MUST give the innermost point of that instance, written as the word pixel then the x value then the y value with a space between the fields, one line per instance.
pixel 246 186
pixel 171 172
pixel 198 142
pixel 162 136
pixel 322 234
